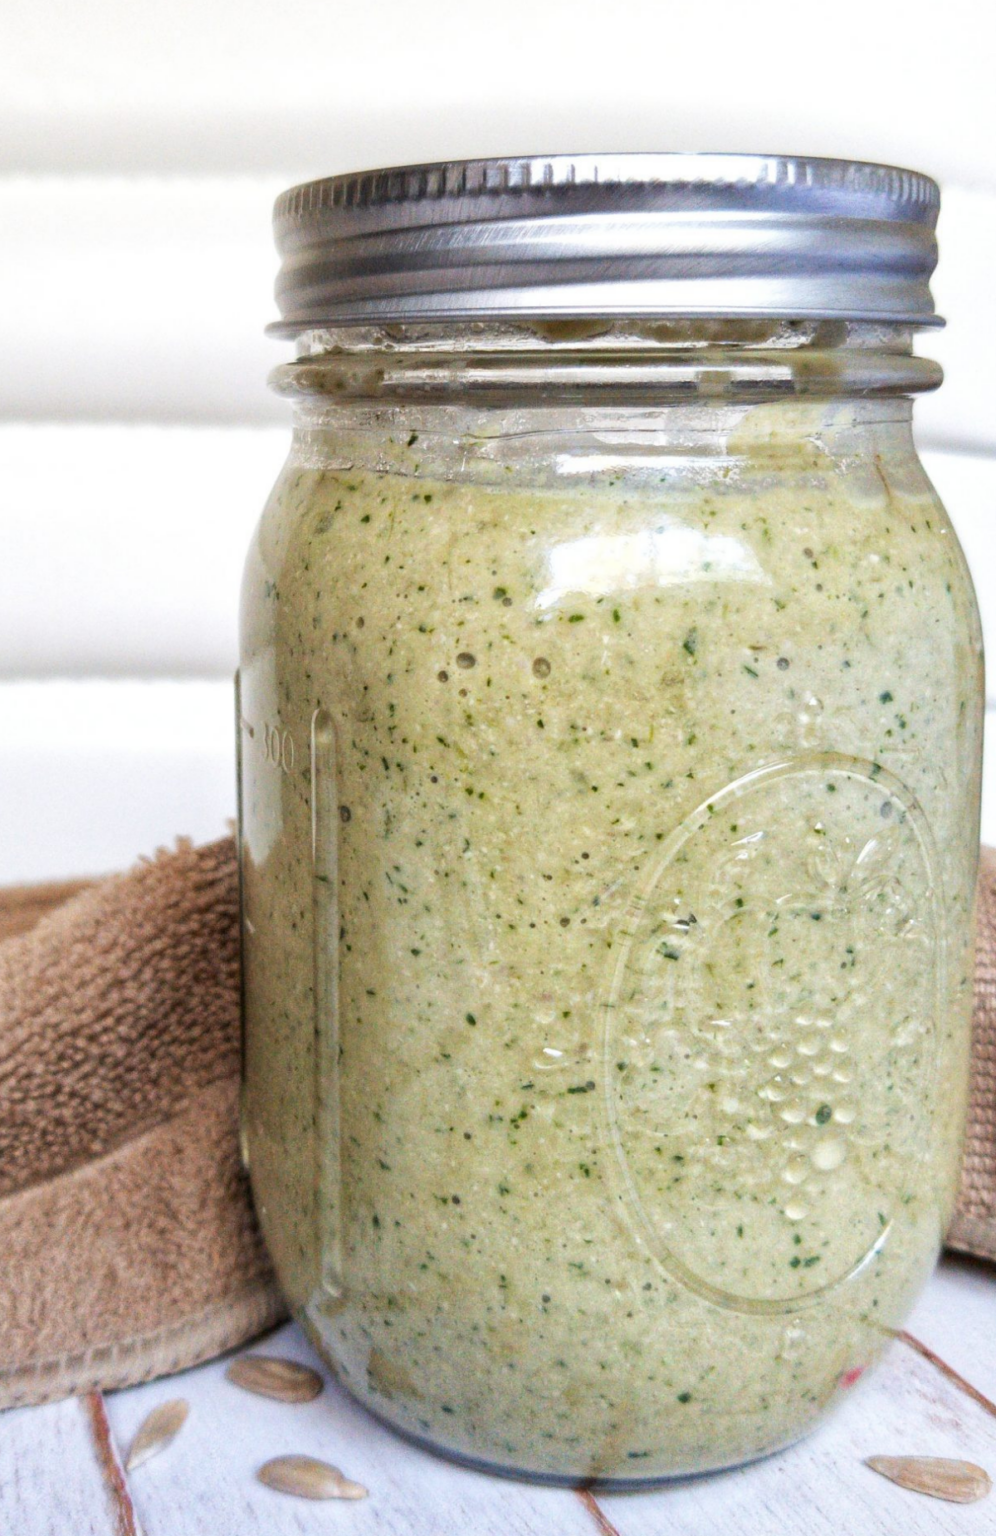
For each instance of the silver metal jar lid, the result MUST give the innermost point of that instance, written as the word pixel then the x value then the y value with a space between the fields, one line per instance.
pixel 608 235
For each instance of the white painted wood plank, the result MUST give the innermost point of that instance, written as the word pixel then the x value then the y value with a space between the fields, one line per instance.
pixel 94 773
pixel 241 85
pixel 123 547
pixel 139 300
pixel 960 413
pixel 50 1481
pixel 821 1486
pixel 206 1481
pixel 956 1317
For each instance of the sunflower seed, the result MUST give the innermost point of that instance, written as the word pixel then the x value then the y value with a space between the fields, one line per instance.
pixel 156 1432
pixel 960 1481
pixel 308 1479
pixel 285 1380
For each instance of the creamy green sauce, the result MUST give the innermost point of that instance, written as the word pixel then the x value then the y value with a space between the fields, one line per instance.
pixel 609 852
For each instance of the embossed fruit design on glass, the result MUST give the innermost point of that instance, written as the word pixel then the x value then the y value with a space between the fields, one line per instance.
pixel 610 713
pixel 774 1066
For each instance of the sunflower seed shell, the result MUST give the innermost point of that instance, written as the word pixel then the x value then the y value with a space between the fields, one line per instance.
pixel 307 1478
pixel 156 1432
pixel 269 1376
pixel 961 1482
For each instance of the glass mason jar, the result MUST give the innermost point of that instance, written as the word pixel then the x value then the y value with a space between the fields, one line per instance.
pixel 610 720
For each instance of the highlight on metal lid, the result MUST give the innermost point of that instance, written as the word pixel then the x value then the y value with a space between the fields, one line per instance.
pixel 697 235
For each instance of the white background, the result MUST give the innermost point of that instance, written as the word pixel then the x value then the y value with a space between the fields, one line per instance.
pixel 141 147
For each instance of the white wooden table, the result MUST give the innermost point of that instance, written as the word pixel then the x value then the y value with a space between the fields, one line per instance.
pixel 935 1394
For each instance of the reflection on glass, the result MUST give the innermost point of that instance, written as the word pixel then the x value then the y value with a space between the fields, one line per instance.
pixel 663 556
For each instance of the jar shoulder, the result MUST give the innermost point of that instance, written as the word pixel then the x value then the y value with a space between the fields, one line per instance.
pixel 871 523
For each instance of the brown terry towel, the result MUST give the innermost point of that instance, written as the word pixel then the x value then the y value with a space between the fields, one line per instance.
pixel 974 1227
pixel 128 1247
